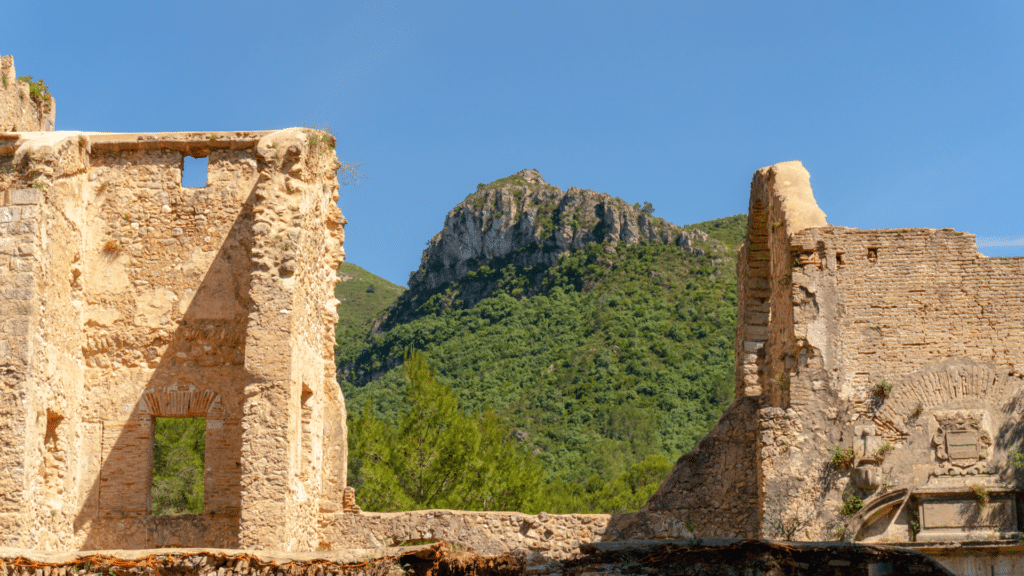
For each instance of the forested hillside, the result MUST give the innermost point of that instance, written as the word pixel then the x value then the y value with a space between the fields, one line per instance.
pixel 362 298
pixel 601 334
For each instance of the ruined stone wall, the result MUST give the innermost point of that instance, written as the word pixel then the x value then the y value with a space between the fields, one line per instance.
pixel 781 204
pixel 296 251
pixel 907 298
pixel 555 536
pixel 19 112
pixel 876 348
pixel 130 298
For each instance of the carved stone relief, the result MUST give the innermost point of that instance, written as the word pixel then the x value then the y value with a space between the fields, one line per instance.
pixel 962 443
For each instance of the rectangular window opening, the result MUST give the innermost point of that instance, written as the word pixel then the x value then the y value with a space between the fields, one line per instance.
pixel 872 254
pixel 179 456
pixel 194 171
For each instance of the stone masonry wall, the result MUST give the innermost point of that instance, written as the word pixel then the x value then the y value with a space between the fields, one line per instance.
pixel 129 297
pixel 870 338
pixel 290 345
pixel 18 111
pixel 910 297
pixel 712 490
pixel 555 536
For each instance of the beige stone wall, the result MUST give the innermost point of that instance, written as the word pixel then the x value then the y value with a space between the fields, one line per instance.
pixel 132 297
pixel 711 491
pixel 555 536
pixel 829 313
pixel 910 297
pixel 296 250
pixel 18 111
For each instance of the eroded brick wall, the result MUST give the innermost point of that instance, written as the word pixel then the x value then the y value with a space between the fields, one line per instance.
pixel 910 297
pixel 869 337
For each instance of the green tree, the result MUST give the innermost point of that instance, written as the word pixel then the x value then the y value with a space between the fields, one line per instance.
pixel 178 454
pixel 438 456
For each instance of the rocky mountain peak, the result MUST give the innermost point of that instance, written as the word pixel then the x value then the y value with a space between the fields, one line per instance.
pixel 523 220
pixel 531 176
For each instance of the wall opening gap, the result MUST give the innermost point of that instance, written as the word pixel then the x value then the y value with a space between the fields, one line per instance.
pixel 194 171
pixel 179 457
pixel 872 254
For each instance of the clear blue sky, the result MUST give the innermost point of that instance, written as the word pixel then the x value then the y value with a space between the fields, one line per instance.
pixel 905 113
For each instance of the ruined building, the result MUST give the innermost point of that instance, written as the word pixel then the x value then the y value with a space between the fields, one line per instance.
pixel 878 400
pixel 129 297
pixel 878 372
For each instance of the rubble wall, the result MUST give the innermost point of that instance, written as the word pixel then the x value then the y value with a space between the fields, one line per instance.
pixel 862 350
pixel 290 345
pixel 19 110
pixel 555 536
pixel 130 299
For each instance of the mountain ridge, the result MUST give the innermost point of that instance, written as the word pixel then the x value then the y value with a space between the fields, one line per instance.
pixel 524 221
pixel 601 334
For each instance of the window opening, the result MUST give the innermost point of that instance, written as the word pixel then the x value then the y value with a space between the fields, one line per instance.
pixel 194 171
pixel 872 254
pixel 839 259
pixel 179 454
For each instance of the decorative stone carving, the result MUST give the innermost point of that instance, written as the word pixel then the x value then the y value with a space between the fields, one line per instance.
pixel 962 442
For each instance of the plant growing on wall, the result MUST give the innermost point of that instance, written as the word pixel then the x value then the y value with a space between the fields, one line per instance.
pixel 841 457
pixel 881 390
pixel 852 503
pixel 980 494
pixel 915 523
pixel 38 91
pixel 1015 458
pixel 882 450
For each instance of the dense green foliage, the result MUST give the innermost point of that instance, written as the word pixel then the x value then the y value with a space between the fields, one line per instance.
pixel 178 450
pixel 364 297
pixel 608 366
pixel 438 456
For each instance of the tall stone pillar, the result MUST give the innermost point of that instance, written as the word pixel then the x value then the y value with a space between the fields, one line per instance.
pixel 297 236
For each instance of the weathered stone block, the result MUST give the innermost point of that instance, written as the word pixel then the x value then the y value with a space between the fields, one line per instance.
pixel 25 196
pixel 9 214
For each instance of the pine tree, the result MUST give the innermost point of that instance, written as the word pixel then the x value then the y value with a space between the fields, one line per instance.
pixel 438 456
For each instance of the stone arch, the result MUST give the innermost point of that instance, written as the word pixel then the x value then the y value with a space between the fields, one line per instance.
pixel 181 400
pixel 951 384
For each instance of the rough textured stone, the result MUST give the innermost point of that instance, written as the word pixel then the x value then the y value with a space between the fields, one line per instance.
pixel 130 297
pixel 18 111
pixel 525 212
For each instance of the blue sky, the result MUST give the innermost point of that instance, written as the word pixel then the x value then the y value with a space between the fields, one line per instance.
pixel 905 113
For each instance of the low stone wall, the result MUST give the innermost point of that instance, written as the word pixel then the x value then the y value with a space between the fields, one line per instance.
pixel 555 536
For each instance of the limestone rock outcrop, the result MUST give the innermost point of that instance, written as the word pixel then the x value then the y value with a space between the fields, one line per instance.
pixel 527 221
